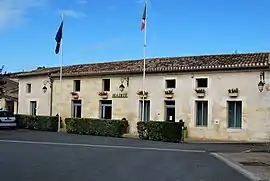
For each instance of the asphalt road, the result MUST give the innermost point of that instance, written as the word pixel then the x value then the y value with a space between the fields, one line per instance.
pixel 85 139
pixel 74 157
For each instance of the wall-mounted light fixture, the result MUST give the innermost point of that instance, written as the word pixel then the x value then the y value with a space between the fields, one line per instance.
pixel 121 88
pixel 44 89
pixel 48 81
pixel 262 81
pixel 123 79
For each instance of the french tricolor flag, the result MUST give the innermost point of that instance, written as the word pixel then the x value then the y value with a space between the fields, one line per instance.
pixel 143 18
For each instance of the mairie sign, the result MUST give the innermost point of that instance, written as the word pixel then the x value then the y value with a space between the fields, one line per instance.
pixel 120 95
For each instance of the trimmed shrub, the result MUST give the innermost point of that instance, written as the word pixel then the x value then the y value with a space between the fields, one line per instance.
pixel 160 131
pixel 41 123
pixel 141 128
pixel 98 127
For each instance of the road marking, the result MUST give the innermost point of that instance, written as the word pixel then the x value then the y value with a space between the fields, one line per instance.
pixel 237 167
pixel 103 146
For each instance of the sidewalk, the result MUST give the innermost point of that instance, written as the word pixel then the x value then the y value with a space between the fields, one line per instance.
pixel 193 140
pixel 212 141
pixel 256 163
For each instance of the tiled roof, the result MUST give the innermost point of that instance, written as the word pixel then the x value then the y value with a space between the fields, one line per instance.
pixel 169 64
pixel 39 71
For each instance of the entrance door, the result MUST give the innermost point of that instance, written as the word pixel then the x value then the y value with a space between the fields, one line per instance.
pixel 146 110
pixel 106 109
pixel 170 111
pixel 76 108
pixel 33 107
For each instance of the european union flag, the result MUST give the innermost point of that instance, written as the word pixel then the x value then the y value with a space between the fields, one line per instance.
pixel 58 38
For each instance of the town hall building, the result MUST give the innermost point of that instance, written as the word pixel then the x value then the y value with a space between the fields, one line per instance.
pixel 221 97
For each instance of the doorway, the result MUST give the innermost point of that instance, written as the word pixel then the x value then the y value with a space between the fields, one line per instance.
pixel 170 110
pixel 76 108
pixel 106 109
pixel 146 116
pixel 33 108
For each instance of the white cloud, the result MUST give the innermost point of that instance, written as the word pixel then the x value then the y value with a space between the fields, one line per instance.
pixel 15 11
pixel 82 1
pixel 73 13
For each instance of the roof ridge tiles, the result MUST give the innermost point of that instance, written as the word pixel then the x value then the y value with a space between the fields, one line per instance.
pixel 200 62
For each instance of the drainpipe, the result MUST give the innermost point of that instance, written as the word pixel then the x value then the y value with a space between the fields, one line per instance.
pixel 51 97
pixel 51 93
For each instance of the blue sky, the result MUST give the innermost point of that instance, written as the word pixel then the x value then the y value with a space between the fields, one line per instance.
pixel 109 30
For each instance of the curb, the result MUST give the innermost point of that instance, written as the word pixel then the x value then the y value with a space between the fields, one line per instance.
pixel 237 167
pixel 258 151
pixel 229 143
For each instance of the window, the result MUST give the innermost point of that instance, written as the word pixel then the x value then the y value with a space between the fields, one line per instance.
pixel 76 108
pixel 201 113
pixel 28 88
pixel 170 83
pixel 146 110
pixel 234 114
pixel 106 109
pixel 106 85
pixel 33 107
pixel 77 85
pixel 202 83
pixel 170 111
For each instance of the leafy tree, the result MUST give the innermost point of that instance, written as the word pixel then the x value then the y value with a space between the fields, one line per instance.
pixel 2 82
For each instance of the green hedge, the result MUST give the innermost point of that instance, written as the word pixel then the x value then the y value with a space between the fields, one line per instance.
pixel 142 130
pixel 160 131
pixel 42 123
pixel 98 127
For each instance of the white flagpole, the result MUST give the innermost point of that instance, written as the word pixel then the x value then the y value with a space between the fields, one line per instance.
pixel 144 58
pixel 61 72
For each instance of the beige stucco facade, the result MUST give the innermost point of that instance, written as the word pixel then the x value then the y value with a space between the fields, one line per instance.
pixel 42 99
pixel 255 104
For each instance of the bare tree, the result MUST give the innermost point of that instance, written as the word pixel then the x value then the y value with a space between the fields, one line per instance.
pixel 2 81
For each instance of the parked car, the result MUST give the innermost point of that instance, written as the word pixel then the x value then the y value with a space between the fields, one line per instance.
pixel 7 119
